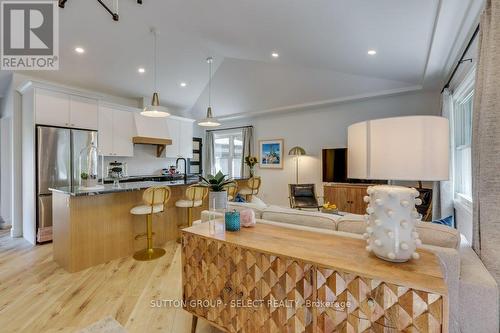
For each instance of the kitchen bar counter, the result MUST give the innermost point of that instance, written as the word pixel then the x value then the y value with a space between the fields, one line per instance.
pixel 94 227
pixel 124 187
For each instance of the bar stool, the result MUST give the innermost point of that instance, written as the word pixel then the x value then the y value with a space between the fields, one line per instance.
pixel 232 190
pixel 195 195
pixel 252 188
pixel 155 201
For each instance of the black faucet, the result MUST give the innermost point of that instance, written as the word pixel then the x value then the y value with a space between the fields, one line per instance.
pixel 185 166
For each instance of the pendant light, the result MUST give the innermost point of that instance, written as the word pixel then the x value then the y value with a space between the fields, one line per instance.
pixel 210 120
pixel 155 109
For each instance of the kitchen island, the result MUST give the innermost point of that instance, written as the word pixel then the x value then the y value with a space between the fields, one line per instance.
pixel 91 227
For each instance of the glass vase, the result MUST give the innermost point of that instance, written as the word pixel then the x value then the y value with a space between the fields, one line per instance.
pixel 88 166
pixel 252 171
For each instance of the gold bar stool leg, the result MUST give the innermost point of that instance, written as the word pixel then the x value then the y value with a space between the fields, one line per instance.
pixel 190 216
pixel 149 230
pixel 149 253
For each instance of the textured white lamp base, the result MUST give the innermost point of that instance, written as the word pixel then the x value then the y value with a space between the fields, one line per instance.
pixel 390 231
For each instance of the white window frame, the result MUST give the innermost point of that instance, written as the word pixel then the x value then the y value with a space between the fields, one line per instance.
pixel 463 90
pixel 231 135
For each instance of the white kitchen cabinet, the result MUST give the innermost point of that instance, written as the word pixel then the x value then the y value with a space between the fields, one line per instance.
pixel 180 131
pixel 116 130
pixel 173 130
pixel 106 131
pixel 55 108
pixel 186 139
pixel 51 108
pixel 123 132
pixel 83 112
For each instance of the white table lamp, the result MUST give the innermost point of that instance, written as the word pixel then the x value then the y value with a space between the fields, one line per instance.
pixel 402 148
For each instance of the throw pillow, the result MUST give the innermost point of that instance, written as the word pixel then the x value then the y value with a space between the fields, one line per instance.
pixel 239 198
pixel 448 221
pixel 258 202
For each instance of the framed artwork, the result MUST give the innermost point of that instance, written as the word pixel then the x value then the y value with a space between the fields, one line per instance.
pixel 271 154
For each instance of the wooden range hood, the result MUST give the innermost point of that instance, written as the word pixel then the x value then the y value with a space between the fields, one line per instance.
pixel 160 144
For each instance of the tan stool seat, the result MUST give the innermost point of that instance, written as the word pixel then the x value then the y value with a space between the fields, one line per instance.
pixel 230 197
pixel 145 209
pixel 245 191
pixel 183 203
pixel 252 188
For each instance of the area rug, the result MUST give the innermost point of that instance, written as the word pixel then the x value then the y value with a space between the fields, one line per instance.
pixel 105 325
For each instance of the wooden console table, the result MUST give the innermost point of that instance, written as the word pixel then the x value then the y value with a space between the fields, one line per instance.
pixel 274 279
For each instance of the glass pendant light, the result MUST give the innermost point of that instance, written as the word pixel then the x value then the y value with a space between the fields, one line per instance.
pixel 155 109
pixel 210 120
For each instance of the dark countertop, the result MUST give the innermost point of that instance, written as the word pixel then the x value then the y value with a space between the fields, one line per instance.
pixel 145 178
pixel 138 183
pixel 124 187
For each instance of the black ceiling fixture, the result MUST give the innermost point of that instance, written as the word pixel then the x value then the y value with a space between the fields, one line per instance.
pixel 114 14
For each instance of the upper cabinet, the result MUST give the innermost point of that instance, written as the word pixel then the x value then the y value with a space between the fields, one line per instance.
pixel 51 108
pixel 83 112
pixel 186 139
pixel 180 131
pixel 55 108
pixel 116 130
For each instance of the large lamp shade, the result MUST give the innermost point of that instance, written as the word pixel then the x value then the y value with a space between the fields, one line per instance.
pixel 400 148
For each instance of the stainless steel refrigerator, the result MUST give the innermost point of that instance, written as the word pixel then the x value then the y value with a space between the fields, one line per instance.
pixel 57 155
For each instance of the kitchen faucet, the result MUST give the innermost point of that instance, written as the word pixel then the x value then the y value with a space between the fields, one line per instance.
pixel 185 166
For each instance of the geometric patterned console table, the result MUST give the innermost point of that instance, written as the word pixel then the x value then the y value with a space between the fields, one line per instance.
pixel 274 279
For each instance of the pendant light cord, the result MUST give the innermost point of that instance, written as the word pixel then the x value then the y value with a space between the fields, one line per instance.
pixel 210 60
pixel 155 60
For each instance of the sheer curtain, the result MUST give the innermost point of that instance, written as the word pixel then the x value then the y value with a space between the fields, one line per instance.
pixel 443 191
pixel 486 142
pixel 247 149
pixel 209 153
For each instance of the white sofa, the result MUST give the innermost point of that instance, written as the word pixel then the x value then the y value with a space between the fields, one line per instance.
pixel 472 290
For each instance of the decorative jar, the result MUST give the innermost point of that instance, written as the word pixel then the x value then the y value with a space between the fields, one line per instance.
pixel 232 220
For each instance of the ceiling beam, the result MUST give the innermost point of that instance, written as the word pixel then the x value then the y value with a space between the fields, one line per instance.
pixel 319 104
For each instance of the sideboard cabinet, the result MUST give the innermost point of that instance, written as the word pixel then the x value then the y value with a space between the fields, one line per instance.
pixel 347 197
pixel 273 279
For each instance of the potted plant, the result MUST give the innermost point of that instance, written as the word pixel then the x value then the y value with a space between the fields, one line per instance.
pixel 85 177
pixel 251 161
pixel 217 184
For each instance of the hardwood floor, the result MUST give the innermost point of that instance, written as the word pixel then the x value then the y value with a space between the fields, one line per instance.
pixel 36 295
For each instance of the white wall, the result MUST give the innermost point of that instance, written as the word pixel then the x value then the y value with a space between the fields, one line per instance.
pixel 6 157
pixel 324 128
pixel 11 182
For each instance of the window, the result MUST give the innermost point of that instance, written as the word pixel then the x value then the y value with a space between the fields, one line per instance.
pixel 462 137
pixel 228 152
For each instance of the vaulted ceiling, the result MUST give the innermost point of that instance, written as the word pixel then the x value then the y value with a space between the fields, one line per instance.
pixel 322 45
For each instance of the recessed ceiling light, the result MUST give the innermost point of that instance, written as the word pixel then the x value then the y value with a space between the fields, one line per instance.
pixel 79 50
pixel 372 52
pixel 275 55
pixel 141 70
pixel 183 84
